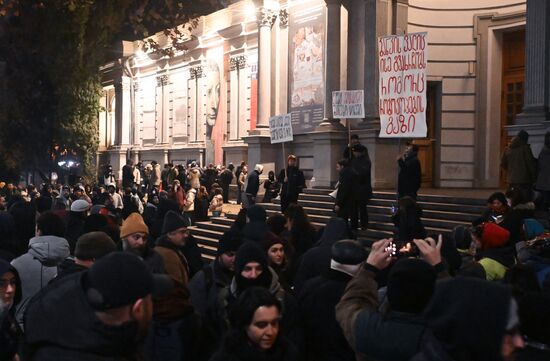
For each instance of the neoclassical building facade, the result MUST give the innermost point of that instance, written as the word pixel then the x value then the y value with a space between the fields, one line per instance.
pixel 487 72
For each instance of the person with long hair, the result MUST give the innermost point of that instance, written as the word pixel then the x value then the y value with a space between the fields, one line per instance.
pixel 10 296
pixel 201 205
pixel 303 234
pixel 255 333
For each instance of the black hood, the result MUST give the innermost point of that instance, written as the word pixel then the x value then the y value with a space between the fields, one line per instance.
pixel 469 317
pixel 60 317
pixel 335 230
pixel 5 267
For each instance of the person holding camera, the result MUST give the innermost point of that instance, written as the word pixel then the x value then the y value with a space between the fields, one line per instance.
pixel 398 332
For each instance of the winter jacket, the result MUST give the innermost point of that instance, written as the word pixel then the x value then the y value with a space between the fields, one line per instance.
pixel 295 185
pixel 361 167
pixel 190 200
pixel 410 175
pixel 394 336
pixel 226 177
pixel 216 205
pixel 177 303
pixel 237 347
pixel 253 183
pixel 127 176
pixel 324 340
pixel 345 194
pixel 194 178
pixel 519 163
pixel 154 178
pixel 317 259
pixel 38 266
pixel 543 178
pixel 61 326
pixel 204 284
pixel 10 333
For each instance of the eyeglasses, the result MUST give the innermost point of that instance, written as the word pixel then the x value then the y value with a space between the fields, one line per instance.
pixel 5 283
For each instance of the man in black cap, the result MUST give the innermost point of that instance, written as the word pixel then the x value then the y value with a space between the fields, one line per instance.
pixel 398 332
pixel 362 188
pixel 173 320
pixel 324 339
pixel 206 285
pixel 100 314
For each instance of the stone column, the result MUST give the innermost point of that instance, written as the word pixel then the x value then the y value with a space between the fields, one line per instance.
pixel 356 45
pixel 332 63
pixel 371 62
pixel 266 18
pixel 536 107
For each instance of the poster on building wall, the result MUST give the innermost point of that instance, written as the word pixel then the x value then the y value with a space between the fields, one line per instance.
pixel 306 64
pixel 402 63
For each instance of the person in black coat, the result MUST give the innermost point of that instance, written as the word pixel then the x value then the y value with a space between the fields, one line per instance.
pixel 343 205
pixel 271 186
pixel 128 174
pixel 408 221
pixel 10 295
pixel 226 177
pixel 255 333
pixel 317 259
pixel 293 183
pixel 253 185
pixel 362 188
pixel 410 174
pixel 324 339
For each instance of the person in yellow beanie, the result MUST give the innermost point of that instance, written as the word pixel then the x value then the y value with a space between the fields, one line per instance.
pixel 133 236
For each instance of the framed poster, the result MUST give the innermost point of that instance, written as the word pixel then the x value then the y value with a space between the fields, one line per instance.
pixel 306 64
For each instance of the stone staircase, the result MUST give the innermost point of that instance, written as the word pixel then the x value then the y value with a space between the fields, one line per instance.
pixel 441 215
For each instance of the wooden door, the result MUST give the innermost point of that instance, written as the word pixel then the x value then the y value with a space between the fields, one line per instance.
pixel 426 146
pixel 513 77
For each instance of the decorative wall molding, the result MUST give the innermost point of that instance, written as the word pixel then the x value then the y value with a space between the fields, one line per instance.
pixel 283 18
pixel 266 17
pixel 162 80
pixel 196 72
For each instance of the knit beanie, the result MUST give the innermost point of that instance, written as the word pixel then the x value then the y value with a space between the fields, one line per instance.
pixel 411 284
pixel 348 251
pixel 229 242
pixel 462 237
pixel 271 239
pixel 173 221
pixel 93 245
pixel 250 252
pixel 133 224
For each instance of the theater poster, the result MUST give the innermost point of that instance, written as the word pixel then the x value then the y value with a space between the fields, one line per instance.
pixel 306 64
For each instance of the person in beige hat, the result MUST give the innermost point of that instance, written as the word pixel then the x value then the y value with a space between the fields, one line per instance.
pixel 133 236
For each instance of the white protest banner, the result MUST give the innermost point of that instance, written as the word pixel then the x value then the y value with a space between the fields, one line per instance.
pixel 403 83
pixel 348 104
pixel 280 129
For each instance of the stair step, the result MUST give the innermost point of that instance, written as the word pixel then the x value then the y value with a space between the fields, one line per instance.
pixel 436 198
pixel 322 191
pixel 196 231
pixel 212 226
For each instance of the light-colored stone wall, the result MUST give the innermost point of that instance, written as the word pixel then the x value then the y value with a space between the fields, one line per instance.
pixel 453 60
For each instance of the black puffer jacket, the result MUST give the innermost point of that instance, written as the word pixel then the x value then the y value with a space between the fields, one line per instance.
pixel 237 347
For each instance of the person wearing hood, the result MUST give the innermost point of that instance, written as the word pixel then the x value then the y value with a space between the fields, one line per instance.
pixel 256 332
pixel 462 327
pixel 324 339
pixel 396 330
pixel 410 174
pixel 293 182
pixel 543 177
pixel 252 186
pixel 519 164
pixel 272 187
pixel 205 286
pixel 493 250
pixel 38 266
pixel 316 260
pixel 173 313
pixel 10 296
pixel 100 314
pixel 133 239
pixel 252 270
pixel 256 227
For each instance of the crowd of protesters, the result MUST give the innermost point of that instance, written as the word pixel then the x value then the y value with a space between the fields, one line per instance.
pixel 97 273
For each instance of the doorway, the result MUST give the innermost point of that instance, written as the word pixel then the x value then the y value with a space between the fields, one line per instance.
pixel 513 78
pixel 426 146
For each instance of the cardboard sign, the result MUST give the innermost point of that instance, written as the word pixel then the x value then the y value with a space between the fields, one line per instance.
pixel 402 61
pixel 280 129
pixel 348 104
